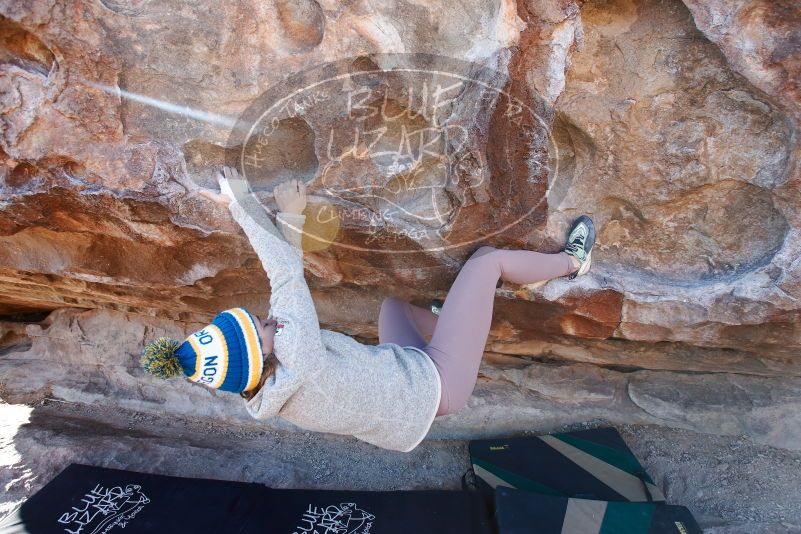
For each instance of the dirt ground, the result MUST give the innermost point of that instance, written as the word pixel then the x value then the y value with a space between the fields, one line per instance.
pixel 731 484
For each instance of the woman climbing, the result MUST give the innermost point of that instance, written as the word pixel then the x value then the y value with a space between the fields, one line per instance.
pixel 387 394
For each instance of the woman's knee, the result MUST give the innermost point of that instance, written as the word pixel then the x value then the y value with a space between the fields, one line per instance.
pixel 482 251
pixel 387 305
pixel 386 316
pixel 391 310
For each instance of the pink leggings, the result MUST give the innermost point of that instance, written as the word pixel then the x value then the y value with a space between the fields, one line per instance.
pixel 459 334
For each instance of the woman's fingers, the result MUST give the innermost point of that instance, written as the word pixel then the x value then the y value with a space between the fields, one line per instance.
pixel 290 195
pixel 214 197
pixel 298 186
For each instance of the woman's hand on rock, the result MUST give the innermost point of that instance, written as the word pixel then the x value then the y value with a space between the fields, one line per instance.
pixel 291 196
pixel 228 180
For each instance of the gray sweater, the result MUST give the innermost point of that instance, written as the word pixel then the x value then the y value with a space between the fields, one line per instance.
pixel 326 381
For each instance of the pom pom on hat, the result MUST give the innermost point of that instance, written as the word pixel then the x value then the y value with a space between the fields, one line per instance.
pixel 160 358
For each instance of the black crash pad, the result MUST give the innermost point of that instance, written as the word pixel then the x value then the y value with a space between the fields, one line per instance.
pixel 94 500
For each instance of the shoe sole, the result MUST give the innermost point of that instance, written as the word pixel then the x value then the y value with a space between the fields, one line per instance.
pixel 586 267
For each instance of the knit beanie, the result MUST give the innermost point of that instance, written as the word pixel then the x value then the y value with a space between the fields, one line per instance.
pixel 225 355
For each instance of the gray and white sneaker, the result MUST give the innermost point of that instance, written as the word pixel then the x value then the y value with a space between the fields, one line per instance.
pixel 579 244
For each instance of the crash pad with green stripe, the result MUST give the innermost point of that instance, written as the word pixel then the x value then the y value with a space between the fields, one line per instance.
pixel 588 464
pixel 524 512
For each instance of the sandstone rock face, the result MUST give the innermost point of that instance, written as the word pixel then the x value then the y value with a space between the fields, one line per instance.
pixel 661 126
pixel 675 126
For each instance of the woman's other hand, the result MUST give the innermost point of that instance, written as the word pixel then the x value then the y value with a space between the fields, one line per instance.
pixel 266 329
pixel 291 196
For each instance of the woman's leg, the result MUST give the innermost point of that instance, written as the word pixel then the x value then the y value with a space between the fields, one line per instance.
pixel 457 344
pixel 405 324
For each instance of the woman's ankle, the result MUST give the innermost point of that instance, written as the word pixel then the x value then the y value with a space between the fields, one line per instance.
pixel 575 264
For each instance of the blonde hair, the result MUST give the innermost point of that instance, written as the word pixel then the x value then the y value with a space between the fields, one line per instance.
pixel 270 364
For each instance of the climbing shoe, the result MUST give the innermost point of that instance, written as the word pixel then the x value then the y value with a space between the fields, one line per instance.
pixel 579 244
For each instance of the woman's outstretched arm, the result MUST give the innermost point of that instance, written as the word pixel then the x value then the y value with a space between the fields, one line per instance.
pixel 299 346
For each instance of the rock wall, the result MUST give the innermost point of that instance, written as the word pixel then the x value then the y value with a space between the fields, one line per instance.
pixel 673 125
pixel 89 357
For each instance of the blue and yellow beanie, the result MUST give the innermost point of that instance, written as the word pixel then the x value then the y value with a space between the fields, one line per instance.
pixel 225 355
